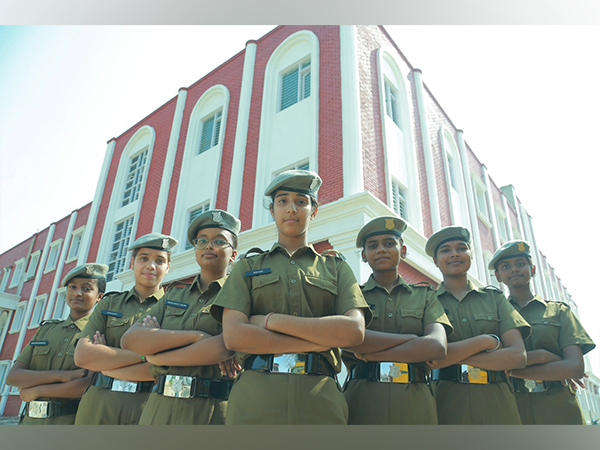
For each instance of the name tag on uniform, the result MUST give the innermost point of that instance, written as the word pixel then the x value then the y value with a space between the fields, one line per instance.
pixel 252 273
pixel 36 343
pixel 177 304
pixel 372 306
pixel 106 312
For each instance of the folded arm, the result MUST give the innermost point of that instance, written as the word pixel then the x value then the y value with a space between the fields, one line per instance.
pixel 149 341
pixel 70 389
pixel 22 377
pixel 205 352
pixel 99 357
pixel 569 366
pixel 511 355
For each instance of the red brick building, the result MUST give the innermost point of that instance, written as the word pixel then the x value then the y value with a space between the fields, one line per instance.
pixel 339 100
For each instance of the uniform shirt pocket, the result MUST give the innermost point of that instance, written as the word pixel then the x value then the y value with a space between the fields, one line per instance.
pixel 114 322
pixel 320 295
pixel 266 294
pixel 41 356
pixel 546 334
pixel 486 322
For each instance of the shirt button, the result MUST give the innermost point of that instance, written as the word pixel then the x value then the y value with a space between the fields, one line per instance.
pixel 66 339
pixel 60 354
pixel 113 322
pixel 292 262
pixel 201 300
pixel 390 314
pixel 390 299
pixel 193 314
pixel 294 314
pixel 72 326
pixel 293 281
pixel 489 317
pixel 464 320
pixel 168 311
pixel 545 321
pixel 418 313
pixel 141 309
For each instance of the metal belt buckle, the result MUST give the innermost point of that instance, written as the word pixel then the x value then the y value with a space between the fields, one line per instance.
pixel 393 372
pixel 473 375
pixel 178 386
pixel 289 363
pixel 39 410
pixel 533 385
pixel 123 386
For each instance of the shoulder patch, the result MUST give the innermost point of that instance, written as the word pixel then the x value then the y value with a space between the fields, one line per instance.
pixel 423 284
pixel 493 288
pixel 175 285
pixel 45 322
pixel 253 250
pixel 334 253
pixel 111 293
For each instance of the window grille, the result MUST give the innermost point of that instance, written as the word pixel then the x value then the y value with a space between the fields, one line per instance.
pixel 211 127
pixel 117 257
pixel 295 85
pixel 137 167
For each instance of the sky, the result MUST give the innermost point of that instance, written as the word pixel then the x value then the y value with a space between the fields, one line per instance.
pixel 526 97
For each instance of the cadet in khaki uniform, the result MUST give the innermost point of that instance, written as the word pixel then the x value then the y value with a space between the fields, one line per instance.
pixel 469 385
pixel 123 381
pixel 181 340
pixel 45 372
pixel 388 378
pixel 555 349
pixel 290 301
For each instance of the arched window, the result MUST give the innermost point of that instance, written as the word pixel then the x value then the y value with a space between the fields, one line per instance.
pixel 201 166
pixel 290 114
pixel 454 180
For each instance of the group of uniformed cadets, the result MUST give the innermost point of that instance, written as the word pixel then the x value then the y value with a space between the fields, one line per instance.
pixel 264 344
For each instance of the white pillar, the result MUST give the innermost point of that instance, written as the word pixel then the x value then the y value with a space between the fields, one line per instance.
pixel 491 207
pixel 165 183
pixel 93 216
pixel 236 181
pixel 434 205
pixel 352 164
pixel 511 235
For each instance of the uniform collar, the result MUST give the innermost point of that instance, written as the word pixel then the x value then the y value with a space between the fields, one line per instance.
pixel 372 284
pixel 536 299
pixel 79 323
pixel 442 289
pixel 157 295
pixel 278 247
pixel 220 282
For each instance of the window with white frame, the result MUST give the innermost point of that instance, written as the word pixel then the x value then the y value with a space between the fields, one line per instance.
pixel 75 243
pixel 480 199
pixel 53 255
pixel 18 317
pixel 452 171
pixel 516 233
pixel 502 224
pixel 117 257
pixel 399 200
pixel 211 127
pixel 4 369
pixel 19 267
pixel 5 278
pixel 192 214
pixel 38 311
pixel 135 176
pixel 391 102
pixel 295 85
pixel 61 308
pixel 34 259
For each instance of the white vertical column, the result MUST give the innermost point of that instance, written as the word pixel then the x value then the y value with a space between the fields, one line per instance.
pixel 511 235
pixel 93 216
pixel 352 164
pixel 475 236
pixel 491 207
pixel 434 205
pixel 165 183
pixel 236 180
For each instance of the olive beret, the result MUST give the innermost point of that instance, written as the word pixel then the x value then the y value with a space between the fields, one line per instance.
pixel 155 240
pixel 381 225
pixel 89 270
pixel 510 249
pixel 444 235
pixel 214 218
pixel 303 181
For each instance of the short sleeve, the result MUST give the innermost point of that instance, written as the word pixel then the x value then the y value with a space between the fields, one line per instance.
pixel 349 294
pixel 235 292
pixel 434 313
pixel 510 318
pixel 572 332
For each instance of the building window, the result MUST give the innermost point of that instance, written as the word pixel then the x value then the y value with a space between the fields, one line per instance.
pixel 502 224
pixel 5 278
pixel 480 200
pixel 61 310
pixel 135 177
pixel 191 216
pixel 34 259
pixel 18 317
pixel 399 200
pixel 452 172
pixel 295 85
pixel 118 253
pixel 53 256
pixel 19 266
pixel 211 127
pixel 75 244
pixel 4 369
pixel 391 102
pixel 38 311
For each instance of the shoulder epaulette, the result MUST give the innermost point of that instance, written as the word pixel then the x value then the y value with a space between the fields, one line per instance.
pixel 177 284
pixel 334 253
pixel 44 322
pixel 111 293
pixel 423 284
pixel 493 288
pixel 257 250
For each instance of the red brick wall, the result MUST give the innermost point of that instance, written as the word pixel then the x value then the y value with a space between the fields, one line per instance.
pixel 412 275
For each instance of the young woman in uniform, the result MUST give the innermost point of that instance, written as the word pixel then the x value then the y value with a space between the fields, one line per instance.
pixel 181 340
pixel 555 349
pixel 469 385
pixel 388 378
pixel 123 381
pixel 287 311
pixel 45 372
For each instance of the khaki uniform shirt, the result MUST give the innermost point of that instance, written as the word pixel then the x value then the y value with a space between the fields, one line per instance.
pixel 186 307
pixel 52 348
pixel 305 284
pixel 407 309
pixel 481 311
pixel 554 327
pixel 113 316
